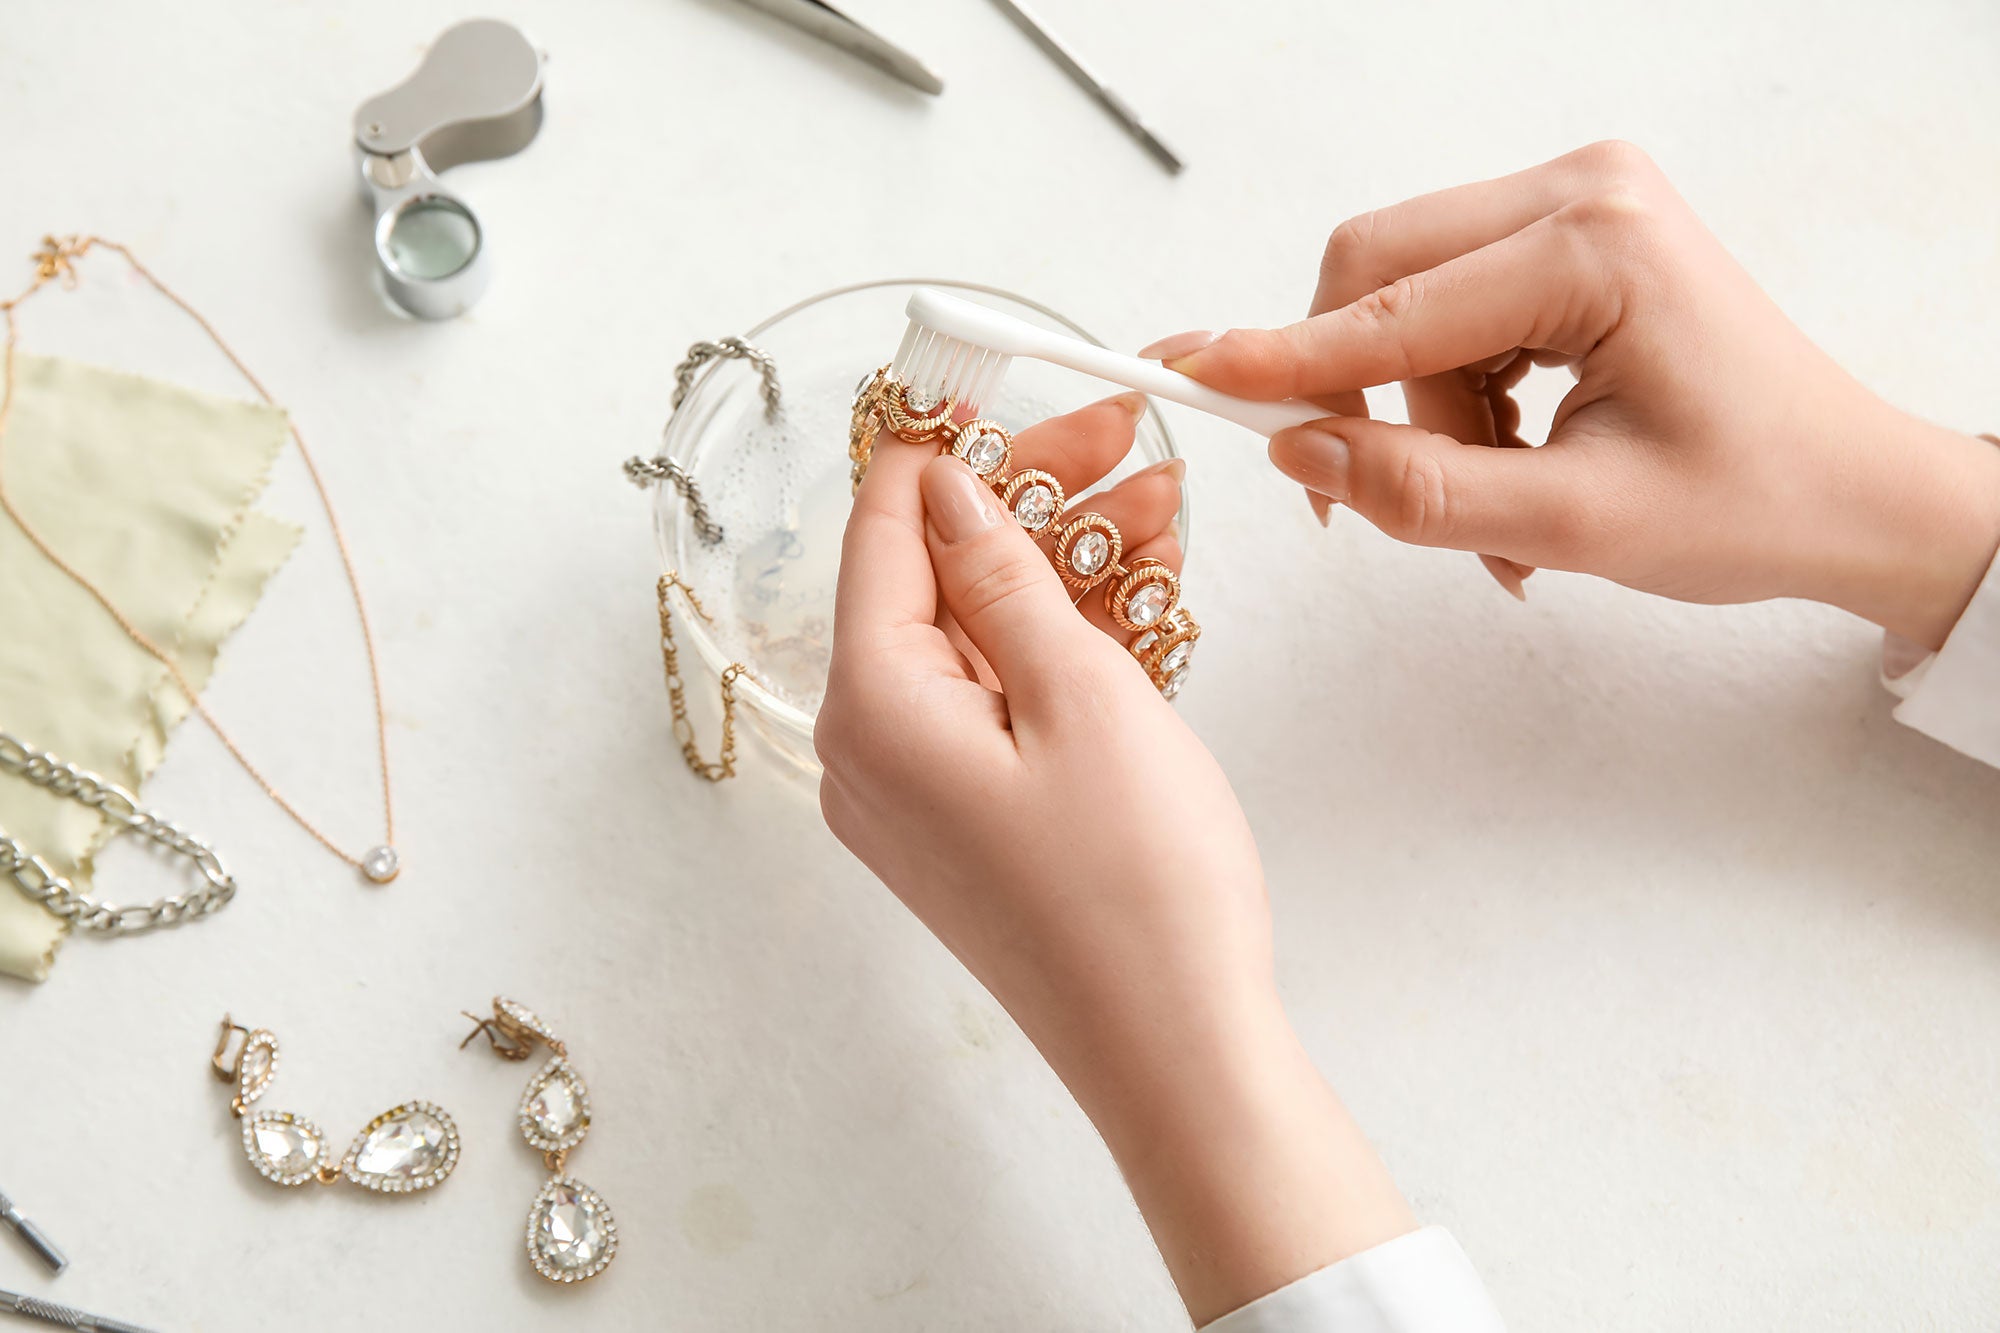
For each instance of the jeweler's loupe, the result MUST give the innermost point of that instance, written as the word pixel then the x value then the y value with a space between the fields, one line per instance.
pixel 477 95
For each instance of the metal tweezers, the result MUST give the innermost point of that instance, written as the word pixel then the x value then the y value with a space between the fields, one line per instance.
pixel 33 1307
pixel 828 24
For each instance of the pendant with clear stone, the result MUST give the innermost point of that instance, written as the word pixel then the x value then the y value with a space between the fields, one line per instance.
pixel 286 1149
pixel 555 1108
pixel 571 1233
pixel 256 1066
pixel 405 1149
pixel 381 863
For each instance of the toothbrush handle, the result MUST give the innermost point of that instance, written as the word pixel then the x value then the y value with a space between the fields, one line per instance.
pixel 1153 378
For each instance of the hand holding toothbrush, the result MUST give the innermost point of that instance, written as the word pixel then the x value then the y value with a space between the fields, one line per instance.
pixel 1709 451
pixel 1035 802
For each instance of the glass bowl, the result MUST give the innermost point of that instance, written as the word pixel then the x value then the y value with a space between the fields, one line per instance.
pixel 779 487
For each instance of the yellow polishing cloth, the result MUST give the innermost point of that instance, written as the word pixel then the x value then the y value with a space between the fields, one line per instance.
pixel 145 487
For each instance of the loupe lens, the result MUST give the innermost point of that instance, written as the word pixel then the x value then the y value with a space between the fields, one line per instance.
pixel 431 238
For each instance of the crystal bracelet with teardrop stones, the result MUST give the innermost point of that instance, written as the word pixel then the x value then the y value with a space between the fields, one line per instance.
pixel 1142 598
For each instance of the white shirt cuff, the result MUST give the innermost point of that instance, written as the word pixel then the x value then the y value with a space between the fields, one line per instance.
pixel 1953 695
pixel 1419 1283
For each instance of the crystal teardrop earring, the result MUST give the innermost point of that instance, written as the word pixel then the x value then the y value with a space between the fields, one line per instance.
pixel 571 1233
pixel 407 1148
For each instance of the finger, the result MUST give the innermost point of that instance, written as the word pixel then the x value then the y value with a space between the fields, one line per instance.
pixel 1080 448
pixel 1375 249
pixel 886 599
pixel 1509 575
pixel 1142 507
pixel 885 570
pixel 997 584
pixel 1545 287
pixel 1095 604
pixel 1473 407
pixel 1527 505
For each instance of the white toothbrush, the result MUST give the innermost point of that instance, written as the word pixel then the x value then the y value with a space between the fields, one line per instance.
pixel 961 351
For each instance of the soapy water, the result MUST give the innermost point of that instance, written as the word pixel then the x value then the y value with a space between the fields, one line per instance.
pixel 780 490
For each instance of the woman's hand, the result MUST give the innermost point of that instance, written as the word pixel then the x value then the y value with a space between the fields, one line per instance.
pixel 1708 452
pixel 1069 839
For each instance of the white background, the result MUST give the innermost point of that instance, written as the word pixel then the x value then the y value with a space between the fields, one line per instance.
pixel 1658 959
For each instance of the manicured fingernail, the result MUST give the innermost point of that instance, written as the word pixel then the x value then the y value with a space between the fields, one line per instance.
pixel 960 505
pixel 1314 457
pixel 1321 506
pixel 1179 345
pixel 1172 467
pixel 1507 574
pixel 1134 402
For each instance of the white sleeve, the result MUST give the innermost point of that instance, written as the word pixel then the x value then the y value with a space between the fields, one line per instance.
pixel 1419 1283
pixel 1953 695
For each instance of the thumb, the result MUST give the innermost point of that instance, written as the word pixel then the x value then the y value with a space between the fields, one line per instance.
pixel 1526 505
pixel 997 584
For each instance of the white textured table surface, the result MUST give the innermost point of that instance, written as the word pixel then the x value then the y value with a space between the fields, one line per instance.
pixel 1662 964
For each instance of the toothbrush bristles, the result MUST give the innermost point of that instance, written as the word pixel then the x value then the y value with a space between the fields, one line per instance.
pixel 902 362
pixel 967 374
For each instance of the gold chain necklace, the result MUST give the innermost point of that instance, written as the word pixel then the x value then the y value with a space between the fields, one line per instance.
pixel 56 260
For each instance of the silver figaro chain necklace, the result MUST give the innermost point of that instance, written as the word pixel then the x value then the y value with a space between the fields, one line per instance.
pixel 39 880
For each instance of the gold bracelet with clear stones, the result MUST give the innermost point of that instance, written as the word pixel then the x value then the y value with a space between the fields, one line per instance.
pixel 1142 598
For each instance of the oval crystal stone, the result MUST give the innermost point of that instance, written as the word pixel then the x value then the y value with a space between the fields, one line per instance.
pixel 571 1235
pixel 1034 507
pixel 984 452
pixel 1176 658
pixel 406 1146
pixel 922 402
pixel 1089 552
pixel 1147 604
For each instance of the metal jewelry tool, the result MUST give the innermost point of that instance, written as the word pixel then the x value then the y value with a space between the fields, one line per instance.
pixel 37 1239
pixel 828 24
pixel 61 1315
pixel 1120 110
pixel 477 95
